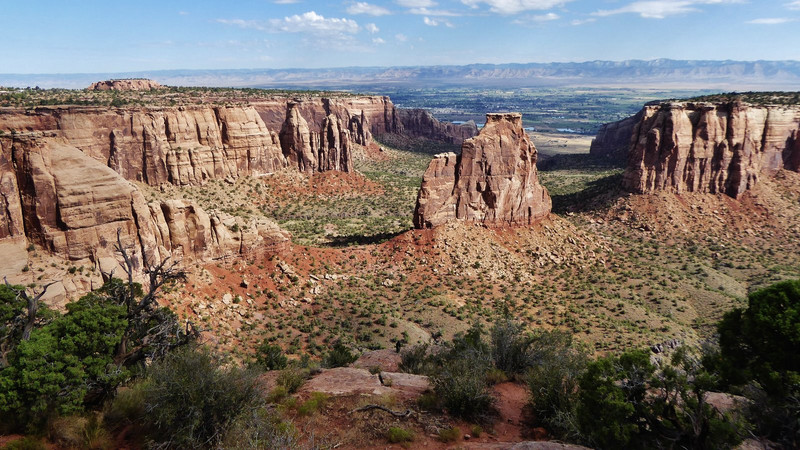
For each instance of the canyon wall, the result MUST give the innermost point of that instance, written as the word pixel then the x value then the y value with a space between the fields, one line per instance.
pixel 493 181
pixel 613 140
pixel 720 147
pixel 54 195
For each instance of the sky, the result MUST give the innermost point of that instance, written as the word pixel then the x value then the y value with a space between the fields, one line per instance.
pixel 87 36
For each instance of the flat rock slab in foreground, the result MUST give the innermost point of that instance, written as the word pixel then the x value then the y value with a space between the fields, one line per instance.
pixel 352 381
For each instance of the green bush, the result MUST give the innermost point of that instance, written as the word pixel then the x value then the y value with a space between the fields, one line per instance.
pixel 271 357
pixel 414 359
pixel 397 435
pixel 63 363
pixel 191 401
pixel 510 346
pixel 310 406
pixel 759 349
pixel 292 378
pixel 553 382
pixel 260 427
pixel 26 443
pixel 461 385
pixel 449 434
pixel 339 356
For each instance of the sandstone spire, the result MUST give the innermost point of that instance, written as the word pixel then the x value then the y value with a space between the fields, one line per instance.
pixel 493 181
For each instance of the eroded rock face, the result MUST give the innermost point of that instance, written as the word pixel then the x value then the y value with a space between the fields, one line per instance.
pixel 614 139
pixel 138 84
pixel 711 147
pixel 61 199
pixel 493 181
pixel 421 123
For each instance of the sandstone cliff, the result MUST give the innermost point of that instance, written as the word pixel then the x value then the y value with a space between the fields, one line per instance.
pixel 614 139
pixel 135 84
pixel 714 147
pixel 56 196
pixel 421 123
pixel 493 181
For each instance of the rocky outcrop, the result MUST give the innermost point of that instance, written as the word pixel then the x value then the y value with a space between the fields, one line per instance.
pixel 493 181
pixel 614 139
pixel 56 196
pixel 719 147
pixel 421 123
pixel 135 84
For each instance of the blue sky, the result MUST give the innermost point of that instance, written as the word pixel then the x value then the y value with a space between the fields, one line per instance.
pixel 61 36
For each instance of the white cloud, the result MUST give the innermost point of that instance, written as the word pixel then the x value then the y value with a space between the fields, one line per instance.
pixel 433 12
pixel 241 23
pixel 540 18
pixel 516 6
pixel 416 3
pixel 793 5
pixel 659 9
pixel 436 22
pixel 372 28
pixel 183 13
pixel 368 9
pixel 378 41
pixel 286 2
pixel 583 21
pixel 401 37
pixel 770 21
pixel 311 22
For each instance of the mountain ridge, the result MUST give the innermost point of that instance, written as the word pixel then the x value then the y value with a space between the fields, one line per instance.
pixel 784 73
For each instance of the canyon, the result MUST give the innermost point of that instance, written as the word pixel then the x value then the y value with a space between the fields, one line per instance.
pixel 72 177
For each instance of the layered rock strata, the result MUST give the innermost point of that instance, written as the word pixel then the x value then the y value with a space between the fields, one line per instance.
pixel 493 181
pixel 613 140
pixel 56 196
pixel 133 84
pixel 189 145
pixel 720 147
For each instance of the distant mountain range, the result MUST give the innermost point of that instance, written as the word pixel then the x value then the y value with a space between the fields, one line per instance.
pixel 780 75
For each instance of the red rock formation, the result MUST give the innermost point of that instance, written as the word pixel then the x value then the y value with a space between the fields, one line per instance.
pixel 614 139
pixel 711 147
pixel 493 181
pixel 73 205
pixel 421 123
pixel 136 84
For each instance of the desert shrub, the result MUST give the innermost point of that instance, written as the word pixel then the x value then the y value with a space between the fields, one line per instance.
pixel 449 434
pixel 310 406
pixel 292 378
pixel 26 443
pixel 476 430
pixel 339 356
pixel 127 407
pixel 552 382
pixel 190 401
pixel 397 435
pixel 428 401
pixel 78 432
pixel 271 357
pixel 496 376
pixel 414 359
pixel 510 346
pixel 260 427
pixel 461 386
